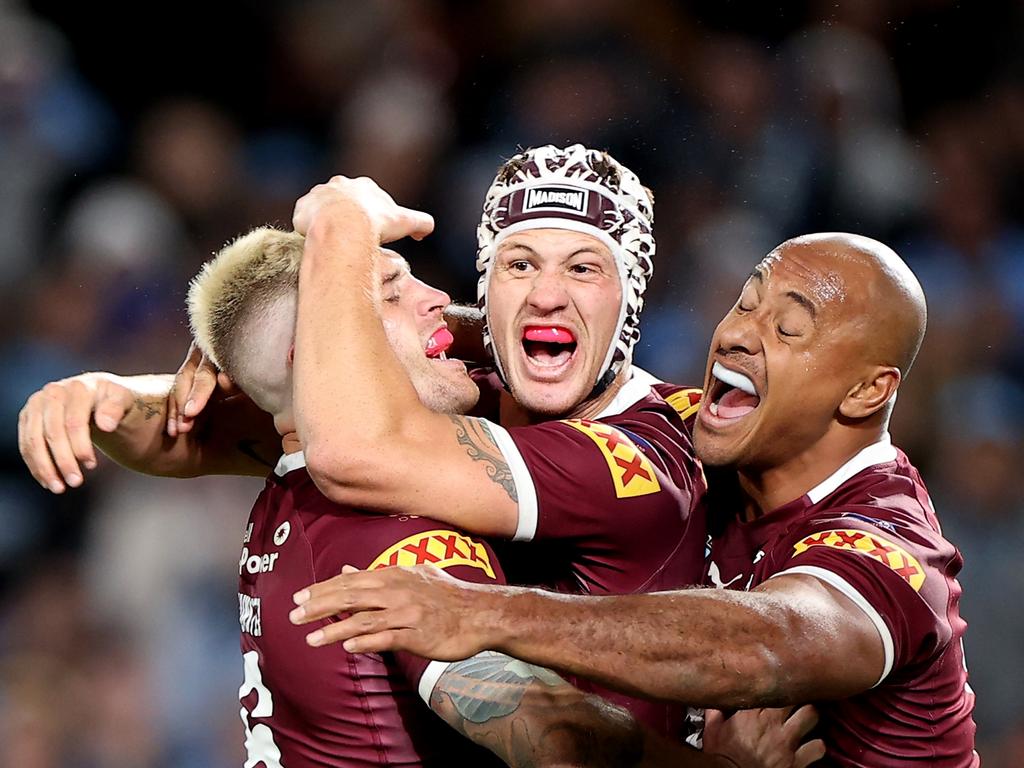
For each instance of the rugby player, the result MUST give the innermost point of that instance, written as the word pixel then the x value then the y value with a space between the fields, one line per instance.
pixel 839 586
pixel 301 708
pixel 588 463
pixel 577 227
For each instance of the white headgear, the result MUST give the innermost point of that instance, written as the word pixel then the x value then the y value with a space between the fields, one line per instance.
pixel 586 191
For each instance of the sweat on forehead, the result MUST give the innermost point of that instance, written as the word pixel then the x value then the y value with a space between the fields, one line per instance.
pixel 875 284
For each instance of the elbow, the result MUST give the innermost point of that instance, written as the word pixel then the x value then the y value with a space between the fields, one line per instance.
pixel 775 664
pixel 352 477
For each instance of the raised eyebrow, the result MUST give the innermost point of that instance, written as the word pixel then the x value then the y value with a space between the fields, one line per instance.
pixel 507 246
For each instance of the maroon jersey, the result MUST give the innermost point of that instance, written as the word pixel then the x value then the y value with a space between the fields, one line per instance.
pixel 303 706
pixel 611 505
pixel 870 532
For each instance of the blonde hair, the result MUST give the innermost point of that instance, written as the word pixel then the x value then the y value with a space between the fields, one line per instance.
pixel 240 293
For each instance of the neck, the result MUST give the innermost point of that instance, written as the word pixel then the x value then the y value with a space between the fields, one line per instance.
pixel 768 488
pixel 290 442
pixel 513 414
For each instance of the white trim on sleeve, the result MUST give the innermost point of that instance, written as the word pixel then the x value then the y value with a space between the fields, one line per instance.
pixel 526 492
pixel 838 582
pixel 429 679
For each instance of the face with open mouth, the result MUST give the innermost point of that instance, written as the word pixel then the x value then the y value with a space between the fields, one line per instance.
pixel 553 305
pixel 412 314
pixel 779 365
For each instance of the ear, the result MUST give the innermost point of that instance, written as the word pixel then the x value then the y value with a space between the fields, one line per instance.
pixel 872 393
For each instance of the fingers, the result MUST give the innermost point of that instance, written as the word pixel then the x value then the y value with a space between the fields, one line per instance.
pixel 408 223
pixel 56 436
pixel 809 753
pixel 77 416
pixel 801 722
pixel 196 381
pixel 32 445
pixel 181 388
pixel 366 632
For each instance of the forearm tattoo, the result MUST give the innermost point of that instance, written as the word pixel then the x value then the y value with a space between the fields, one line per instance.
pixel 480 445
pixel 490 685
pixel 488 699
pixel 150 407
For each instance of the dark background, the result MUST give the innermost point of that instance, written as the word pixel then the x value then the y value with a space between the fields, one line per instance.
pixel 135 141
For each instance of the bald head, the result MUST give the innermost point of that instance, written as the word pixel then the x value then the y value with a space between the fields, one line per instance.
pixel 865 284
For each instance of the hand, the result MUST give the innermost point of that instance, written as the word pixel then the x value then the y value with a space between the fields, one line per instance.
pixel 764 738
pixel 195 382
pixel 54 426
pixel 389 220
pixel 421 609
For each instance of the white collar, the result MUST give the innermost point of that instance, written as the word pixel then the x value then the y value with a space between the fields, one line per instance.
pixel 632 392
pixel 877 453
pixel 288 462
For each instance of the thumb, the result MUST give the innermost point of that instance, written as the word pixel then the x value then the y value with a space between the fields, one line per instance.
pixel 112 402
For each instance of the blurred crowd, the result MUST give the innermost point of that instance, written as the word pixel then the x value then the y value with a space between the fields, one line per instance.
pixel 126 159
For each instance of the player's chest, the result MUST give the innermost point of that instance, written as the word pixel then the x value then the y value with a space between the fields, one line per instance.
pixel 736 564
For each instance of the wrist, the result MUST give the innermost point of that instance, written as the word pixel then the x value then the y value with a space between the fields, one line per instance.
pixel 494 620
pixel 342 220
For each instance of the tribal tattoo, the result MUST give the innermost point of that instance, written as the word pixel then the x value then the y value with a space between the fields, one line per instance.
pixel 529 716
pixel 480 445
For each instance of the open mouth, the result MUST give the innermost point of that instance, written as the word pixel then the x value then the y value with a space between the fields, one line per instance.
pixel 548 346
pixel 733 394
pixel 439 343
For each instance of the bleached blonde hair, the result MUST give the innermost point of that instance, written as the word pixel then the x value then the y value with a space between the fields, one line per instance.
pixel 241 303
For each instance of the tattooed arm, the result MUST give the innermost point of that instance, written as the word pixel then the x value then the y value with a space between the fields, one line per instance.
pixel 529 716
pixel 124 416
pixel 370 442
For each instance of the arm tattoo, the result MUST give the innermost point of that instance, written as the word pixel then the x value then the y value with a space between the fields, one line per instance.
pixel 480 445
pixel 150 407
pixel 490 685
pixel 529 716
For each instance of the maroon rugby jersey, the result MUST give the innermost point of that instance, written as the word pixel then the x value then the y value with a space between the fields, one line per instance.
pixel 612 505
pixel 870 531
pixel 303 706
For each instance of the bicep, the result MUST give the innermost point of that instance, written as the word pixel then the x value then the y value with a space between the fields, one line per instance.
pixel 834 638
pixel 449 468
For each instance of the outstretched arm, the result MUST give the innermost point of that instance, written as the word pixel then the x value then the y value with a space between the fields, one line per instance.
pixel 124 416
pixel 773 646
pixel 369 441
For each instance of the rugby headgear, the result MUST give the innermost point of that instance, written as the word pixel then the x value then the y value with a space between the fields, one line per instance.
pixel 586 191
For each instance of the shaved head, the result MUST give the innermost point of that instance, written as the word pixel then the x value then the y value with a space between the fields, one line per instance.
pixel 868 285
pixel 805 367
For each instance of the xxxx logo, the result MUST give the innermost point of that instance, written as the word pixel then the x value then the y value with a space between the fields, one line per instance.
pixel 632 472
pixel 895 557
pixel 686 402
pixel 442 549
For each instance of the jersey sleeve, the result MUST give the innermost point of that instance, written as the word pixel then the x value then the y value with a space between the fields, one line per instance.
pixel 594 481
pixel 896 577
pixel 378 541
pixel 460 556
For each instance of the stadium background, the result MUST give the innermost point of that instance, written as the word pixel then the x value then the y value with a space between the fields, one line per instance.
pixel 126 158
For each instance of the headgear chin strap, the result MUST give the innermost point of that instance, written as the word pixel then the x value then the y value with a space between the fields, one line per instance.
pixel 586 191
